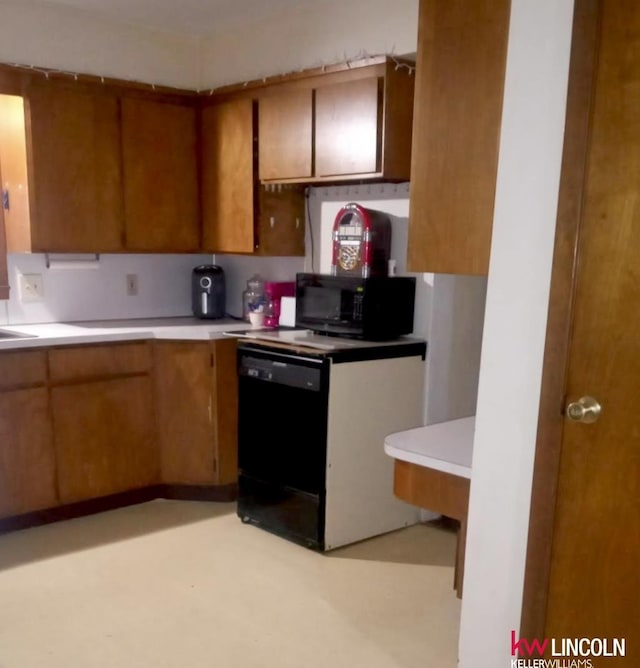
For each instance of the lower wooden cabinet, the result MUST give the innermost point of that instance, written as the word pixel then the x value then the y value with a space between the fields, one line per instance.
pixel 27 462
pixel 103 419
pixel 104 437
pixel 196 400
pixel 27 465
pixel 84 422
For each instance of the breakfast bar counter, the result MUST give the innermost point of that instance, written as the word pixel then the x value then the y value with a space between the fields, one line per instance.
pixel 432 470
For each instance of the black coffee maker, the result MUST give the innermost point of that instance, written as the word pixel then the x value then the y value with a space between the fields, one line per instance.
pixel 208 291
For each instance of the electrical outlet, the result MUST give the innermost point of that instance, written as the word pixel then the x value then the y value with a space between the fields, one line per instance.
pixel 31 287
pixel 132 285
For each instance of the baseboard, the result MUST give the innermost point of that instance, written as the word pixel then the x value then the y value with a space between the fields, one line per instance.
pixel 214 493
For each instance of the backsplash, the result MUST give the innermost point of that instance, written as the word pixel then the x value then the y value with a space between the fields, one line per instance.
pixel 100 293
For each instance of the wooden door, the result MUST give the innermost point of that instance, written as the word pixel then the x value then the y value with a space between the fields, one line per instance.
pixel 348 130
pixel 460 68
pixel 591 587
pixel 27 466
pixel 75 173
pixel 160 176
pixel 228 177
pixel 285 135
pixel 13 165
pixel 104 437
pixel 186 412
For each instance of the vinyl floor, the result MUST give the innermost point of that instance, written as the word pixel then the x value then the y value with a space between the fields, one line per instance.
pixel 172 584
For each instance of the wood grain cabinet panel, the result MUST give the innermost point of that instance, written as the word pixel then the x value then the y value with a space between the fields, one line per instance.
pixel 27 463
pixel 160 176
pixel 348 132
pixel 75 176
pixel 13 174
pixel 462 47
pixel 240 215
pixel 104 437
pixel 21 369
pixel 285 135
pixel 228 177
pixel 196 399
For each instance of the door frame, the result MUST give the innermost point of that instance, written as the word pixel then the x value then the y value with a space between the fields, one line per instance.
pixel 582 71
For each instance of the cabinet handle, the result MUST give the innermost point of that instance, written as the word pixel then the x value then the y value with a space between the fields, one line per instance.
pixel 210 411
pixel 272 222
pixel 5 199
pixel 297 223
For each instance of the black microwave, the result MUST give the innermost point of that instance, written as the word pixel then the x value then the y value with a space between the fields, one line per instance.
pixel 376 308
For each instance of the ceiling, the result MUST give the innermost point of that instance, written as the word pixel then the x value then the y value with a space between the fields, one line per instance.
pixel 192 17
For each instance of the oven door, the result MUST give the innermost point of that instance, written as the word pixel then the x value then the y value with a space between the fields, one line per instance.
pixel 282 435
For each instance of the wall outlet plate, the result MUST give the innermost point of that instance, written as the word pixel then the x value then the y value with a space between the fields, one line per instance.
pixel 31 287
pixel 132 285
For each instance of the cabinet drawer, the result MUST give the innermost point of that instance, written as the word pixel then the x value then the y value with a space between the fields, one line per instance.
pixel 86 362
pixel 22 369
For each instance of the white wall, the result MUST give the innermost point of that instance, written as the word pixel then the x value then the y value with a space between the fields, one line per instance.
pixel 32 33
pixel 516 314
pixel 164 283
pixel 448 309
pixel 239 268
pixel 321 33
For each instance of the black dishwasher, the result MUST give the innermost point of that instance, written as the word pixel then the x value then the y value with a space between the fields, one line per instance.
pixel 282 440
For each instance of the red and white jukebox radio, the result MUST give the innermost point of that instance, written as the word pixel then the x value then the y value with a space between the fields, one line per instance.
pixel 361 242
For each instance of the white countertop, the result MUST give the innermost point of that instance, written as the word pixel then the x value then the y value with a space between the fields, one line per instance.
pixel 61 333
pixel 446 446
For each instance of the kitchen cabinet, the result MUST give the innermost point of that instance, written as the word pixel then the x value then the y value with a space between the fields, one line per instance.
pixel 14 211
pixel 103 419
pixel 240 215
pixel 337 126
pixel 285 135
pixel 75 172
pixel 160 178
pixel 27 464
pixel 462 48
pixel 196 396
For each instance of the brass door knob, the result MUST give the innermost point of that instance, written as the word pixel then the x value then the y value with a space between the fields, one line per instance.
pixel 585 409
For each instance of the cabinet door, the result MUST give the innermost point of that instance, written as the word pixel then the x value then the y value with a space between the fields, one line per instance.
pixel 285 135
pixel 185 412
pixel 348 128
pixel 27 466
pixel 75 175
pixel 160 176
pixel 13 168
pixel 225 399
pixel 460 71
pixel 104 437
pixel 228 173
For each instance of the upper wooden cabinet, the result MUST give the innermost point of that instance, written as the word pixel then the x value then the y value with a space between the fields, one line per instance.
pixel 240 215
pixel 462 47
pixel 75 176
pixel 160 178
pixel 109 170
pixel 286 135
pixel 338 126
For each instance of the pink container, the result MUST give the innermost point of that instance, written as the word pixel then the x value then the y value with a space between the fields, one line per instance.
pixel 275 290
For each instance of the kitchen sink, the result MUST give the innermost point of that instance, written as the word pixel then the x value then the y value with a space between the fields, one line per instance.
pixel 4 335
